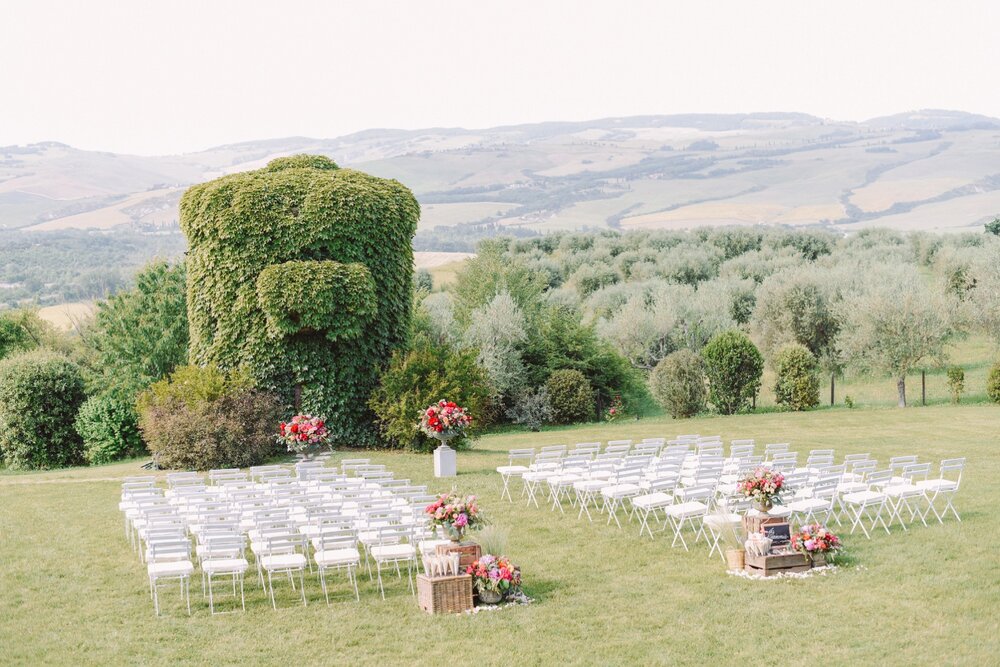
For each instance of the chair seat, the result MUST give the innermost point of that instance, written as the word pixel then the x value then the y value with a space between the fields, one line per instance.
pixel 177 568
pixel 283 562
pixel 851 487
pixel 726 519
pixel 393 552
pixel 864 498
pixel 686 510
pixel 777 510
pixel 937 484
pixel 808 505
pixel 224 565
pixel 620 490
pixel 653 500
pixel 429 547
pixel 512 471
pixel 337 557
pixel 590 484
pixel 902 490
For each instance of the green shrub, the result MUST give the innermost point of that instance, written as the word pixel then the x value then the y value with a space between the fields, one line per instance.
pixel 678 383
pixel 40 395
pixel 993 383
pixel 734 367
pixel 303 273
pixel 423 281
pixel 109 426
pixel 571 397
pixel 203 418
pixel 426 373
pixel 956 383
pixel 531 408
pixel 797 386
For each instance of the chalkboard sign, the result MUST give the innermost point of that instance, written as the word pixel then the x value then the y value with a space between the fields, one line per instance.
pixel 780 533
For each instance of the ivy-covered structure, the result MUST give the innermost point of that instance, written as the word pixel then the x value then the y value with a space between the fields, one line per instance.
pixel 301 272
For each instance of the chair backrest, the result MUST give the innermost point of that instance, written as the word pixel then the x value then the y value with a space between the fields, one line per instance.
pixel 168 549
pixel 587 447
pixel 549 449
pixel 916 472
pixel 663 485
pixel 863 467
pixel 951 469
pixel 740 450
pixel 852 458
pixel 526 454
pixel 619 443
pixel 218 545
pixel 775 447
pixel 897 463
pixel 699 493
pixel 878 478
pixel 394 534
pixel 343 537
pixel 281 542
pixel 826 487
pixel 617 449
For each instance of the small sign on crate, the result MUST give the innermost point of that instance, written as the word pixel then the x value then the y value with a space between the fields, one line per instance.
pixel 469 552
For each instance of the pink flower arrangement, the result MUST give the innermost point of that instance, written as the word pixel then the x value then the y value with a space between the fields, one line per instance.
pixel 303 432
pixel 815 539
pixel 763 485
pixel 494 573
pixel 445 420
pixel 455 514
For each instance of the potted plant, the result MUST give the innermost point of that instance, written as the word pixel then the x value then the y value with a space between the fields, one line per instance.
pixel 763 486
pixel 818 544
pixel 493 577
pixel 455 514
pixel 304 434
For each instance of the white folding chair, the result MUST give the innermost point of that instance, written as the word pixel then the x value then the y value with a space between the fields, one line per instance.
pixel 391 546
pixel 222 555
pixel 659 495
pixel 868 505
pixel 944 487
pixel 169 559
pixel 281 553
pixel 695 505
pixel 337 549
pixel 515 470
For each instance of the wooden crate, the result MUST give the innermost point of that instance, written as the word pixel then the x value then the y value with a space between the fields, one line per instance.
pixel 469 552
pixel 777 563
pixel 753 524
pixel 444 595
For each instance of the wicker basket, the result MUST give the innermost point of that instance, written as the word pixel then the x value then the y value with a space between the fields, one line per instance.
pixel 444 595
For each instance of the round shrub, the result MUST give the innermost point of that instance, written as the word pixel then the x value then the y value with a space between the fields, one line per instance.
pixel 109 427
pixel 797 386
pixel 203 418
pixel 678 383
pixel 734 367
pixel 40 395
pixel 570 396
pixel 426 373
pixel 993 383
pixel 302 272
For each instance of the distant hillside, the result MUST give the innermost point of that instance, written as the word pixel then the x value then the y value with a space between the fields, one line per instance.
pixel 935 170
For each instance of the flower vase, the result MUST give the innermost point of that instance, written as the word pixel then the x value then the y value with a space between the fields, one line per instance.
pixel 490 597
pixel 454 534
pixel 763 506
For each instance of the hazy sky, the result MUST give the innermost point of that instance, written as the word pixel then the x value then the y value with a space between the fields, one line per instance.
pixel 164 77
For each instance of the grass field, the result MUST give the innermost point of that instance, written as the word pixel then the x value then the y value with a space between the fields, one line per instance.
pixel 74 593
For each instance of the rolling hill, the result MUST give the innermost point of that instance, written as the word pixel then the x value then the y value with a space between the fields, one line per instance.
pixel 933 170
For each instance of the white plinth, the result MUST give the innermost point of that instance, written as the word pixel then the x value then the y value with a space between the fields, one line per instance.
pixel 444 462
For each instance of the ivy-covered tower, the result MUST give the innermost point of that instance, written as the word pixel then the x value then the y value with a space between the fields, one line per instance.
pixel 301 272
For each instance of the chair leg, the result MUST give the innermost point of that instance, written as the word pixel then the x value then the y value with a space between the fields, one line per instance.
pixel 378 566
pixel 322 583
pixel 211 600
pixel 243 600
pixel 302 586
pixel 270 585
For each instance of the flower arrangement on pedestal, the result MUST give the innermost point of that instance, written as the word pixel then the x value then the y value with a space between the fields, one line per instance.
pixel 814 540
pixel 763 486
pixel 455 514
pixel 444 420
pixel 493 577
pixel 303 434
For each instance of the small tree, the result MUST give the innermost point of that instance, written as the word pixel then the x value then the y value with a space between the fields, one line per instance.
pixel 993 383
pixel 797 386
pixel 496 331
pixel 895 325
pixel 678 384
pixel 571 396
pixel 993 227
pixel 734 367
pixel 40 395
pixel 956 383
pixel 423 280
pixel 532 408
pixel 109 426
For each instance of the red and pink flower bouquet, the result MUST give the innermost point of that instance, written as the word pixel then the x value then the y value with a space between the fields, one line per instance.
pixel 455 514
pixel 303 434
pixel 445 420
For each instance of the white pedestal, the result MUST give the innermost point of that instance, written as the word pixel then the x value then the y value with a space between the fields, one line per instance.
pixel 444 462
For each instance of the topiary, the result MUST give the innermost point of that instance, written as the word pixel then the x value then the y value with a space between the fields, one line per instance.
pixel 40 395
pixel 203 418
pixel 956 383
pixel 993 383
pixel 109 426
pixel 797 386
pixel 734 367
pixel 426 373
pixel 678 383
pixel 570 395
pixel 302 272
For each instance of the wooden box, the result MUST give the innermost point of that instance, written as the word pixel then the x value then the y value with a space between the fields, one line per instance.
pixel 444 595
pixel 753 524
pixel 780 563
pixel 470 552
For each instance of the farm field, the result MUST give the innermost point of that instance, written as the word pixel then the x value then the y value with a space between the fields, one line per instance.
pixel 74 593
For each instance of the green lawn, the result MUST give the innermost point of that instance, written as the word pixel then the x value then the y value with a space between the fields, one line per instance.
pixel 73 592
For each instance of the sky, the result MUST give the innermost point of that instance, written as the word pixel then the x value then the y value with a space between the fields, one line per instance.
pixel 156 77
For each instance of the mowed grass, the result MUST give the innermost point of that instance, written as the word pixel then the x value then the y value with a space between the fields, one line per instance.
pixel 73 591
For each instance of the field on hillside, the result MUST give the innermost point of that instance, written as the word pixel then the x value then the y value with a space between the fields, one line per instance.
pixel 74 593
